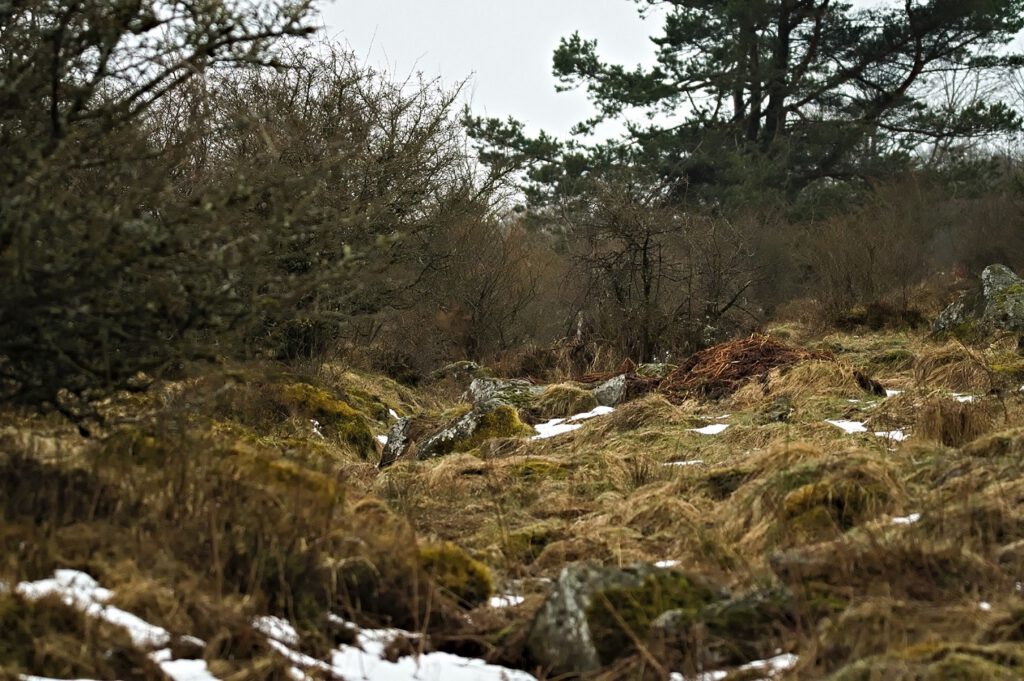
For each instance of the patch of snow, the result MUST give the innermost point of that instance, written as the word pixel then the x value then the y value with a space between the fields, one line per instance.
pixel 964 398
pixel 713 429
pixel 316 428
pixel 277 629
pixel 365 662
pixel 985 606
pixel 906 519
pixel 666 563
pixel 849 426
pixel 80 591
pixel 182 670
pixel 559 426
pixel 892 393
pixel 723 417
pixel 392 413
pixel 770 669
pixel 692 462
pixel 383 439
pixel 506 601
pixel 596 411
pixel 894 435
pixel 554 427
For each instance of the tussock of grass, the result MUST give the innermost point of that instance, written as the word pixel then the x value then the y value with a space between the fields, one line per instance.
pixel 952 423
pixel 953 366
pixel 798 497
pixel 563 400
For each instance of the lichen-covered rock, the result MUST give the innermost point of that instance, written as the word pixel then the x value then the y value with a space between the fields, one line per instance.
pixel 998 305
pixel 1004 298
pixel 655 370
pixel 484 422
pixel 593 613
pixel 612 392
pixel 397 444
pixel 515 393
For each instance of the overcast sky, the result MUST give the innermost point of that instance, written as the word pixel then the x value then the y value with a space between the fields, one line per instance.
pixel 503 46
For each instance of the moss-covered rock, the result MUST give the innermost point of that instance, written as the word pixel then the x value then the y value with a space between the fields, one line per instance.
pixel 466 579
pixel 563 400
pixel 484 422
pixel 594 615
pixel 514 392
pixel 524 544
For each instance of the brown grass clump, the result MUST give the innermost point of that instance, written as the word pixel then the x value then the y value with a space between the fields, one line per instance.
pixel 952 423
pixel 563 400
pixel 720 370
pixel 878 624
pixel 799 382
pixel 648 410
pixel 796 497
pixel 953 366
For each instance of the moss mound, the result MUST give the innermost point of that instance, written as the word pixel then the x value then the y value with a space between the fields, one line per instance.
pixel 813 498
pixel 563 400
pixel 466 579
pixel 618 616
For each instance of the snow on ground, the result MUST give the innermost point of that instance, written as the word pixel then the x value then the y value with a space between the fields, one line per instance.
pixel 906 519
pixel 383 439
pixel 964 398
pixel 666 564
pixel 769 669
pixel 505 601
pixel 849 426
pixel 692 462
pixel 894 435
pixel 893 393
pixel 277 629
pixel 713 429
pixel 559 426
pixel 81 591
pixel 362 662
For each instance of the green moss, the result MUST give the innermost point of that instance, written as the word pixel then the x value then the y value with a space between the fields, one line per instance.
pixel 563 400
pixel 525 544
pixel 503 421
pixel 618 616
pixel 336 418
pixel 540 469
pixel 468 580
pixel 280 474
pixel 841 503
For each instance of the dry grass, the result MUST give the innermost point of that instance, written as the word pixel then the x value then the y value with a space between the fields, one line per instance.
pixel 720 370
pixel 779 500
pixel 952 423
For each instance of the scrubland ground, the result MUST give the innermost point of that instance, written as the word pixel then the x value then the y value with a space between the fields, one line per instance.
pixel 870 536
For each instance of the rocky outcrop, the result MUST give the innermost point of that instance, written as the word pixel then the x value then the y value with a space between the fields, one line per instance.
pixel 612 392
pixel 423 439
pixel 593 613
pixel 998 305
pixel 514 393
